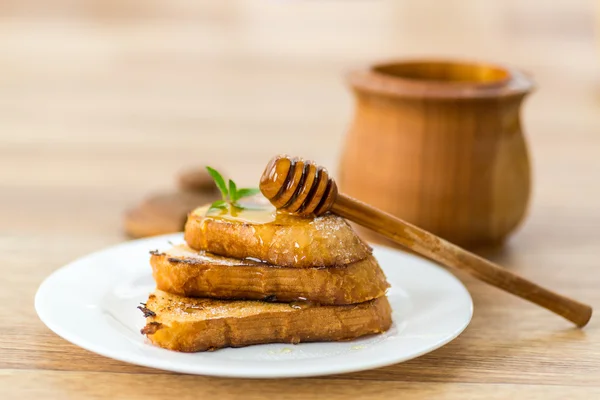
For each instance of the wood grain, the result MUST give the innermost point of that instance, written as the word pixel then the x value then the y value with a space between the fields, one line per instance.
pixel 286 180
pixel 95 114
pixel 439 143
pixel 425 243
pixel 192 387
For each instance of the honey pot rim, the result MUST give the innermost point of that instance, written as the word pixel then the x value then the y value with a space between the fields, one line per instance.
pixel 380 78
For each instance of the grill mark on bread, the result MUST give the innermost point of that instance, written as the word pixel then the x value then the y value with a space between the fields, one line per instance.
pixel 147 312
pixel 248 263
pixel 150 328
pixel 190 261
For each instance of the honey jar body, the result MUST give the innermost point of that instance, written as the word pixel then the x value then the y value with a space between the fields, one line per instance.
pixel 441 147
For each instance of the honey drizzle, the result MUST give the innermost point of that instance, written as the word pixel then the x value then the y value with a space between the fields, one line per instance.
pixel 254 210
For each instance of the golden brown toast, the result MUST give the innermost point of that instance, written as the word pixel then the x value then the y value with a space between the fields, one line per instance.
pixel 276 239
pixel 184 271
pixel 190 324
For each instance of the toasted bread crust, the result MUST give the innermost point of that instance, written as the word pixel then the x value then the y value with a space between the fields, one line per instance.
pixel 186 272
pixel 324 241
pixel 191 325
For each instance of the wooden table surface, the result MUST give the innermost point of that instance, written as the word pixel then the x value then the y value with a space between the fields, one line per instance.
pixel 103 101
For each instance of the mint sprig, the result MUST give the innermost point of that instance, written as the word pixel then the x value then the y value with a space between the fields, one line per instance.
pixel 219 181
pixel 247 192
pixel 229 192
pixel 233 193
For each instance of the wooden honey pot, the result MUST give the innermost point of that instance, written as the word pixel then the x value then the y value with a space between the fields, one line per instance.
pixel 439 144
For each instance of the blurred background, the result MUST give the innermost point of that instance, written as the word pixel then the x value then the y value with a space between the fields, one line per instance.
pixel 102 101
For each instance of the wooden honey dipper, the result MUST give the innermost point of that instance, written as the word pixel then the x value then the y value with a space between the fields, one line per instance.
pixel 302 188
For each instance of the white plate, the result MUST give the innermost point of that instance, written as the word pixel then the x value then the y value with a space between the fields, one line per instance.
pixel 92 303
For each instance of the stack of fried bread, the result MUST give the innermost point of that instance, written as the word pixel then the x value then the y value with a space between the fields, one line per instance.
pixel 254 276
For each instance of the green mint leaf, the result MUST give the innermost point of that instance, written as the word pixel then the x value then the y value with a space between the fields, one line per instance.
pixel 233 193
pixel 246 192
pixel 219 181
pixel 218 205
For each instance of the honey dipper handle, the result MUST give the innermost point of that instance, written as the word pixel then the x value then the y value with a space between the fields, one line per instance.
pixel 450 255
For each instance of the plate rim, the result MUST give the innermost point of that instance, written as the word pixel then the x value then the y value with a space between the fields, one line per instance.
pixel 319 368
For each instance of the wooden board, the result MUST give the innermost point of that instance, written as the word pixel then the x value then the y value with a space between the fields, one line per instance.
pixel 98 111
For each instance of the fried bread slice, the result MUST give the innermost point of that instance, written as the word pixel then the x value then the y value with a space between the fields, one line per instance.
pixel 277 239
pixel 184 271
pixel 191 324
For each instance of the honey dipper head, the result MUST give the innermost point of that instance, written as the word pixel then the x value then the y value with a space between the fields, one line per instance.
pixel 298 187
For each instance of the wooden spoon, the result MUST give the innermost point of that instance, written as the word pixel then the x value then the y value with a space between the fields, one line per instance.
pixel 302 188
